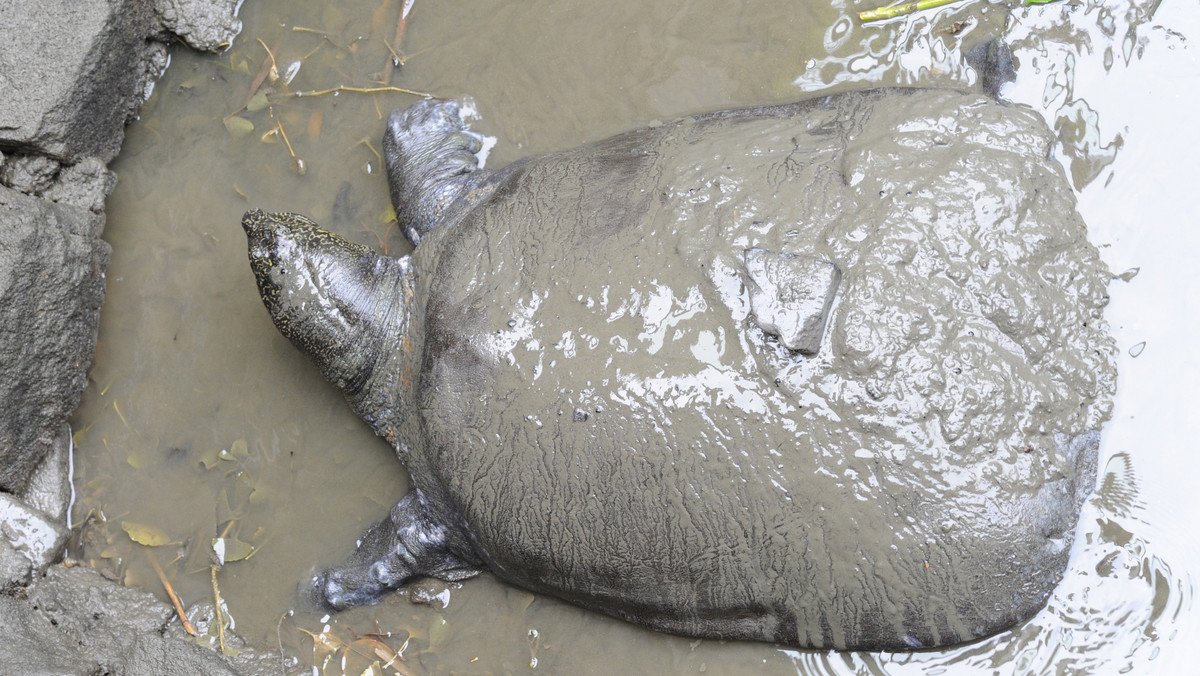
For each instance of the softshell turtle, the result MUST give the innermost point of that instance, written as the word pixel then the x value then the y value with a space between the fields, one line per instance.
pixel 828 374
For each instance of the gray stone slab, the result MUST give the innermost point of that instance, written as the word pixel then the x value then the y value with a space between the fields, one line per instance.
pixel 73 73
pixel 52 266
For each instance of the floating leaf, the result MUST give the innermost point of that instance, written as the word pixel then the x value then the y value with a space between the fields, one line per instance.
pixel 314 126
pixel 439 631
pixel 99 481
pixel 238 126
pixel 240 449
pixel 224 510
pixel 231 549
pixel 257 102
pixel 194 81
pixel 149 536
pixel 527 601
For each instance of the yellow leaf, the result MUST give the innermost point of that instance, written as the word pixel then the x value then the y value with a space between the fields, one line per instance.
pixel 240 449
pixel 150 536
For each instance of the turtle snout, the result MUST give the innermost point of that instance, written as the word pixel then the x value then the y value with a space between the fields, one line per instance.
pixel 262 238
pixel 258 227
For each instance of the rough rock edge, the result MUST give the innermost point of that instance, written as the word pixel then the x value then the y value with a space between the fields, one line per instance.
pixel 72 621
pixel 56 618
pixel 206 25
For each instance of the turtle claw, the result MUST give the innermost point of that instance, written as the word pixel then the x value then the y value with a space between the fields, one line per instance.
pixel 408 544
pixel 431 164
pixel 342 588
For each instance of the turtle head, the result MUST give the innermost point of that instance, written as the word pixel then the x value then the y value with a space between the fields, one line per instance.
pixel 340 303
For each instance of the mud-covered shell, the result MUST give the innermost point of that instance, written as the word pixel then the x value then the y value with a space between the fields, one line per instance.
pixel 599 404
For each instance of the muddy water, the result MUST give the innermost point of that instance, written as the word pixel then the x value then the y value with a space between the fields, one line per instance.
pixel 202 421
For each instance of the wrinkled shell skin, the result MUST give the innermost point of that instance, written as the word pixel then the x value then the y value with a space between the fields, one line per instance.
pixel 596 413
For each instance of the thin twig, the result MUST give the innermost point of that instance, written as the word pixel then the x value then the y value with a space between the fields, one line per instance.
pixel 364 141
pixel 279 641
pixel 274 72
pixel 394 47
pixel 361 90
pixel 279 124
pixel 187 626
pixel 220 614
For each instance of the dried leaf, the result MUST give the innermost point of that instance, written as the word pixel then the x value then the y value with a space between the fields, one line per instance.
pixel 323 644
pixel 149 536
pixel 211 458
pixel 238 126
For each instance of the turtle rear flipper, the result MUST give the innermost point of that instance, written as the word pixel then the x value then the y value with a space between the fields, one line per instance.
pixel 433 173
pixel 410 543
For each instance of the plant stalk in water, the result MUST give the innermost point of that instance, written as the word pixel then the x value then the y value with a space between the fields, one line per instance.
pixel 900 9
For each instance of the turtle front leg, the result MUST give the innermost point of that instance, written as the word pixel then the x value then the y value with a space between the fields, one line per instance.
pixel 408 544
pixel 433 173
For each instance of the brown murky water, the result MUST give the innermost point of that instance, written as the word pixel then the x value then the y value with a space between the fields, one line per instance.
pixel 202 421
